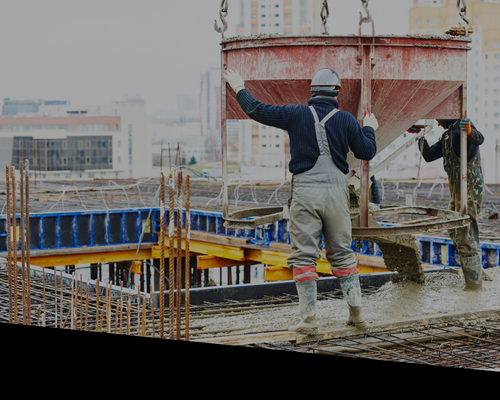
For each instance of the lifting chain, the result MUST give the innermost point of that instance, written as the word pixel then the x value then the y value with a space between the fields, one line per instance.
pixel 462 11
pixel 223 15
pixel 325 13
pixel 368 17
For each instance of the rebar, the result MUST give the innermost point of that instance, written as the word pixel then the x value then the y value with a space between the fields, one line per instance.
pixel 22 236
pixel 28 272
pixel 171 255
pixel 187 261
pixel 14 239
pixel 179 252
pixel 9 240
pixel 162 257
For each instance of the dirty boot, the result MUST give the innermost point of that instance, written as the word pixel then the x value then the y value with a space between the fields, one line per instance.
pixel 473 272
pixel 307 291
pixel 352 293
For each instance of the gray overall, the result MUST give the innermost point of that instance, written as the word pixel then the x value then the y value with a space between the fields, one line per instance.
pixel 320 205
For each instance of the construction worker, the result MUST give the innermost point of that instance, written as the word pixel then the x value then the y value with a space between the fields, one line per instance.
pixel 466 239
pixel 320 138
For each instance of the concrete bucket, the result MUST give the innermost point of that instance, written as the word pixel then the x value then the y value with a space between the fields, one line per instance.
pixel 401 79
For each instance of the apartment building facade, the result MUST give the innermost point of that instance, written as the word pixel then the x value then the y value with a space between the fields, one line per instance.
pixel 63 141
pixel 434 17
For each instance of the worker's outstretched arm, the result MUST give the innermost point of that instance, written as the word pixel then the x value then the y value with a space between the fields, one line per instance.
pixel 276 116
pixel 430 153
pixel 362 140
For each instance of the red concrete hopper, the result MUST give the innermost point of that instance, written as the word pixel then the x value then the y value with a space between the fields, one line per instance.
pixel 411 77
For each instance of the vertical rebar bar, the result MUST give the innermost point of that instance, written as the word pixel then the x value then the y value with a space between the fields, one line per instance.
pixel 62 291
pixel 28 260
pixel 55 297
pixel 187 261
pixel 28 256
pixel 72 304
pixel 96 303
pixel 128 315
pixel 14 239
pixel 179 253
pixel 139 328
pixel 121 306
pixel 21 234
pixel 162 256
pixel 152 310
pixel 87 307
pixel 9 240
pixel 44 303
pixel 171 255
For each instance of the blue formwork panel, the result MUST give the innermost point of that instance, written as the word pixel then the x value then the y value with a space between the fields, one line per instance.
pixel 125 226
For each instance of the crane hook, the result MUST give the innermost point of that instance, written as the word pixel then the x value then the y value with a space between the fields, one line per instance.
pixel 462 11
pixel 368 17
pixel 222 15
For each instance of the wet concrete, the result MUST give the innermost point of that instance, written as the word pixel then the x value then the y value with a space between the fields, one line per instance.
pixel 401 254
pixel 441 293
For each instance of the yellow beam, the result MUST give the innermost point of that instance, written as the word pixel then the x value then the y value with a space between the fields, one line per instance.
pixel 212 249
pixel 89 258
pixel 206 262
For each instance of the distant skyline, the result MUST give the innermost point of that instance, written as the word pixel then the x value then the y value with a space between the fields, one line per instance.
pixel 99 51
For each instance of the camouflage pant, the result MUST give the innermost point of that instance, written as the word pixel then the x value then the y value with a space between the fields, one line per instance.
pixel 466 240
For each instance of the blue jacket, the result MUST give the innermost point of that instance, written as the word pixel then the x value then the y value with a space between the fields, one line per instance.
pixel 343 131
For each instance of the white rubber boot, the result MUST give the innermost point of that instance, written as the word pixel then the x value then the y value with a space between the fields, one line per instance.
pixel 307 292
pixel 352 293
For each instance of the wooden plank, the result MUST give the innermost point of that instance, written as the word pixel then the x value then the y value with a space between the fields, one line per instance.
pixel 251 339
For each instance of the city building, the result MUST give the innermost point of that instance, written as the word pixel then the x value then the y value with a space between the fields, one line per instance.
pixel 288 17
pixel 210 111
pixel 261 145
pixel 434 17
pixel 63 141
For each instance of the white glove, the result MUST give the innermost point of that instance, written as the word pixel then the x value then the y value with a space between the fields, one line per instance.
pixel 234 79
pixel 370 120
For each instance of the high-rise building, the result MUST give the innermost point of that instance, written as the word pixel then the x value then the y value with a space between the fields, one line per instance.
pixel 435 17
pixel 264 145
pixel 210 111
pixel 80 142
pixel 288 17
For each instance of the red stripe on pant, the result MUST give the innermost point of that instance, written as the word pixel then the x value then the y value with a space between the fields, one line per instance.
pixel 302 274
pixel 344 272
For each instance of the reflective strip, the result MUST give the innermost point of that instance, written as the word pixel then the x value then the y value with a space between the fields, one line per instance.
pixel 301 274
pixel 344 272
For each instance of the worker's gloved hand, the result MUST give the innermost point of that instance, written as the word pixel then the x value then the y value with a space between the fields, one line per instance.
pixel 370 120
pixel 414 129
pixel 234 79
pixel 466 126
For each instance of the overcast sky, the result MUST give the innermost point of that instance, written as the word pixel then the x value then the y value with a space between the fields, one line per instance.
pixel 97 51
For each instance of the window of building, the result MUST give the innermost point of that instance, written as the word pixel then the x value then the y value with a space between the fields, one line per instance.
pixel 497 56
pixel 496 45
pixel 417 22
pixel 496 127
pixel 276 24
pixel 443 22
pixel 431 22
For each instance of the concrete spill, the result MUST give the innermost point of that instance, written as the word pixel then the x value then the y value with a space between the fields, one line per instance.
pixel 441 293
